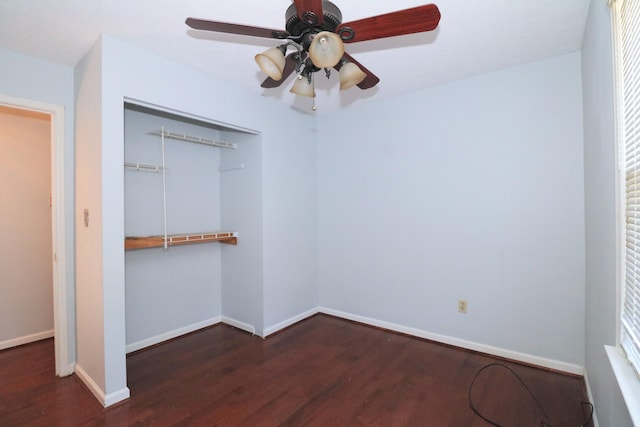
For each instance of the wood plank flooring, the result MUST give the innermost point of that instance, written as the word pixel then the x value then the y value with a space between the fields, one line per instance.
pixel 322 371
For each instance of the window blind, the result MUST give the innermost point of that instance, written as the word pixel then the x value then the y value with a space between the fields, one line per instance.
pixel 627 40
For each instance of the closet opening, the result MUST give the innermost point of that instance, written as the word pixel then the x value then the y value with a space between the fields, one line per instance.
pixel 192 224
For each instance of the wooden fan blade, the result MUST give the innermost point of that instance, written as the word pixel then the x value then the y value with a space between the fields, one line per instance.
pixel 225 27
pixel 310 11
pixel 289 66
pixel 407 21
pixel 370 81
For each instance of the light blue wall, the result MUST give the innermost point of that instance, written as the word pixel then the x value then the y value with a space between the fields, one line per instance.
pixel 285 224
pixel 290 219
pixel 91 287
pixel 242 211
pixel 167 290
pixel 600 214
pixel 28 78
pixel 471 190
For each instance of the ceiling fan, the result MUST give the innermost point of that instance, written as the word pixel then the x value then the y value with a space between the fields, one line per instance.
pixel 315 31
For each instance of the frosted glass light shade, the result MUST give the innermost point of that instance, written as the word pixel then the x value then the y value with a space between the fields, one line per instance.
pixel 326 49
pixel 271 62
pixel 350 75
pixel 303 87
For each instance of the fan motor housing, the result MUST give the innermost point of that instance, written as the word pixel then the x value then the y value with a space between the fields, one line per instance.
pixel 332 17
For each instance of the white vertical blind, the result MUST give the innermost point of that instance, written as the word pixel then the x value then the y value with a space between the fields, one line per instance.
pixel 627 39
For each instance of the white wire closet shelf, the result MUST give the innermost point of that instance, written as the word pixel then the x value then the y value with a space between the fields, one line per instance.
pixel 195 139
pixel 165 240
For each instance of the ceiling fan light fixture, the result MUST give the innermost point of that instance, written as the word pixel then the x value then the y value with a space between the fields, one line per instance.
pixel 326 49
pixel 315 29
pixel 272 61
pixel 303 86
pixel 350 75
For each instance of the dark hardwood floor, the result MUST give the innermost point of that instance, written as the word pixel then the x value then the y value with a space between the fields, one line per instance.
pixel 322 371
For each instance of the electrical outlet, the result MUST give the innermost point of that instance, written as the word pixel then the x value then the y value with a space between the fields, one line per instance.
pixel 462 306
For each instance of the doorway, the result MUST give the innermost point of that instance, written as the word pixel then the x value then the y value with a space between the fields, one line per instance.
pixel 52 117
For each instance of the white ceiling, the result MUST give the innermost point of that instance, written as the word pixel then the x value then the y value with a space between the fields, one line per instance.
pixel 473 37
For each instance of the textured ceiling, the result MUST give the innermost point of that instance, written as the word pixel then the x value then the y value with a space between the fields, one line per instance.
pixel 473 37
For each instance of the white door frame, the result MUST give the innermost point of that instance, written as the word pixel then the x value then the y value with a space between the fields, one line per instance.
pixel 58 228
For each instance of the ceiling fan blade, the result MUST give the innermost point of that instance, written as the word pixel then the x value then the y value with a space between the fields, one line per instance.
pixel 407 21
pixel 289 67
pixel 370 81
pixel 310 11
pixel 225 27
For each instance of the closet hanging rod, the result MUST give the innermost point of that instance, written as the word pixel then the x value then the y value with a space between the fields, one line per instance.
pixel 143 167
pixel 195 139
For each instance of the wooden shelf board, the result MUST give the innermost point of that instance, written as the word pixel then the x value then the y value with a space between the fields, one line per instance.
pixel 142 242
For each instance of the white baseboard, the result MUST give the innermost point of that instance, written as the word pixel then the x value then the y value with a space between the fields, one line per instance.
pixel 115 397
pixel 590 397
pixel 69 369
pixel 148 342
pixel 469 345
pixel 295 319
pixel 238 324
pixel 14 342
pixel 98 393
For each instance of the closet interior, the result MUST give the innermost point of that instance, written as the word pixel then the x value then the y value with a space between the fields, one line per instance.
pixel 189 189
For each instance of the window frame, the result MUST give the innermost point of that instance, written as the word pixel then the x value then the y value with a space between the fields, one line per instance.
pixel 632 353
pixel 625 373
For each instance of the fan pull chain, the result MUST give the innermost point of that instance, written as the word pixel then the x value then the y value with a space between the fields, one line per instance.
pixel 313 104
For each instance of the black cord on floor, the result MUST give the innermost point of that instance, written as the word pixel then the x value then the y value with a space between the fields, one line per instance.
pixel 543 423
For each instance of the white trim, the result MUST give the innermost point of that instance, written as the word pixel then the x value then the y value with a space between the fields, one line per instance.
pixel 202 119
pixel 627 381
pixel 60 286
pixel 286 323
pixel 116 397
pixel 470 345
pixel 14 342
pixel 98 393
pixel 90 384
pixel 238 324
pixel 58 220
pixel 148 342
pixel 619 176
pixel 594 418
